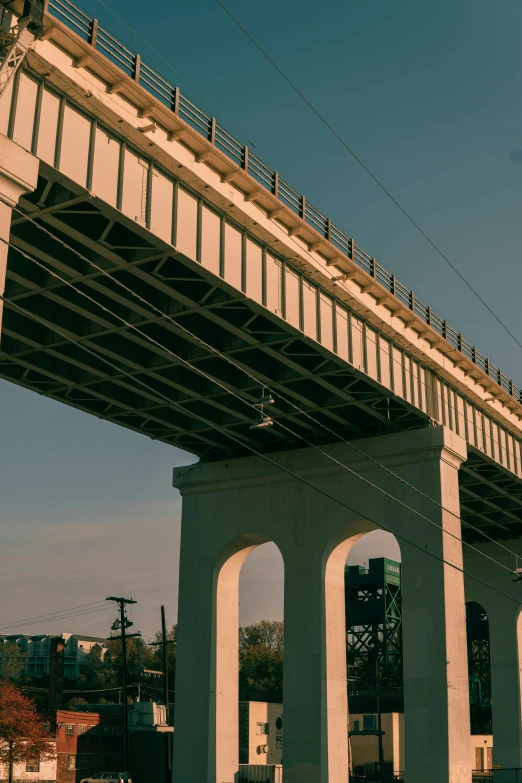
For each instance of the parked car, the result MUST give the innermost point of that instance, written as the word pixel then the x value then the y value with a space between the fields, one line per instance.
pixel 108 777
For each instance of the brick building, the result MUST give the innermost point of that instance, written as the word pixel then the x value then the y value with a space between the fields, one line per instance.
pixel 86 743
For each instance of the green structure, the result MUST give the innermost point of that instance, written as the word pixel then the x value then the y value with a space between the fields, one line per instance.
pixel 374 643
pixel 374 626
pixel 477 629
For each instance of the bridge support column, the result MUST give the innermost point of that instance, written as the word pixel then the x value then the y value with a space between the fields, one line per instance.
pixel 230 507
pixel 505 646
pixel 18 175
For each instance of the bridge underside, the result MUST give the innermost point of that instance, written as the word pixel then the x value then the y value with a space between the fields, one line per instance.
pixel 151 380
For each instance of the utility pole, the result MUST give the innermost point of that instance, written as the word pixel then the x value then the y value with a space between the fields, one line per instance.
pixel 163 644
pixel 123 624
pixel 379 719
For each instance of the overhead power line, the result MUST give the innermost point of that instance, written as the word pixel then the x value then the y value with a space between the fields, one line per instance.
pixel 95 606
pixel 253 450
pixel 370 173
pixel 252 377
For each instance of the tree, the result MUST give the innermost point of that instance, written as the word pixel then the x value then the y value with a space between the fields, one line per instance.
pixel 97 671
pixel 12 662
pixel 261 653
pixel 139 657
pixel 22 737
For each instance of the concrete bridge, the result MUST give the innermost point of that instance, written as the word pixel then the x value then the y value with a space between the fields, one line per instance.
pixel 159 275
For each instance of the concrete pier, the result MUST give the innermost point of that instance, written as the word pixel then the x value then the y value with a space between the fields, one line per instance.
pixel 231 507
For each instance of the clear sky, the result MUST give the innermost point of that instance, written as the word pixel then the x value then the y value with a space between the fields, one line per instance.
pixel 428 94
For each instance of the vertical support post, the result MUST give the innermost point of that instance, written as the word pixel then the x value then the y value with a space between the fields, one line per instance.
pixel 315 695
pixel 93 34
pixel 436 698
pixel 506 688
pixel 123 620
pixel 212 130
pixel 244 162
pixel 166 691
pixel 275 184
pixel 136 68
pixel 175 100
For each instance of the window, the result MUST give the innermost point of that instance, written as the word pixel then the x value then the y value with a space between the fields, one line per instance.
pixel 262 728
pixel 33 766
pixel 82 728
pixel 69 729
pixel 71 762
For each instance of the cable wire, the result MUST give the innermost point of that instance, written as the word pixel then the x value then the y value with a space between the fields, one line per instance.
pixel 237 366
pixel 255 451
pixel 50 619
pixel 369 172
pixel 251 405
pixel 50 615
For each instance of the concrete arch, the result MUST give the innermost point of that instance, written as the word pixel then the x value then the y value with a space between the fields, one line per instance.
pixel 314 524
pixel 224 676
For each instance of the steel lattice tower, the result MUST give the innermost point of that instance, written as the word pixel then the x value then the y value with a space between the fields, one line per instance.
pixel 374 625
pixel 477 629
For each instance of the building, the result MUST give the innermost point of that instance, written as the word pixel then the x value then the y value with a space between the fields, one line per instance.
pixel 29 771
pixel 86 743
pixel 150 743
pixel 37 650
pixel 260 732
pixel 364 748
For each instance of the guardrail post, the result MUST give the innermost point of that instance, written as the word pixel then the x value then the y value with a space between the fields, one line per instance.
pixel 93 33
pixel 244 162
pixel 486 366
pixel 428 315
pixel 474 355
pixel 393 282
pixel 302 208
pixel 445 334
pixel 275 184
pixel 352 249
pixel 174 105
pixel 328 230
pixel 373 267
pixel 212 131
pixel 136 68
pixel 412 301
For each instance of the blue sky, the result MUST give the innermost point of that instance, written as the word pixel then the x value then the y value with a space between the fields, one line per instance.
pixel 428 95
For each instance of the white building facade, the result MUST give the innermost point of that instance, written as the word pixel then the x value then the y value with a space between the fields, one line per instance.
pixel 37 650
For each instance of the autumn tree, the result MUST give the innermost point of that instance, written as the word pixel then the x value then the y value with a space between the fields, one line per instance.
pixel 261 653
pixel 22 737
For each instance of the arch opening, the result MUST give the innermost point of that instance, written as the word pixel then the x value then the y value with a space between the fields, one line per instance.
pixel 479 672
pixel 374 658
pixel 248 657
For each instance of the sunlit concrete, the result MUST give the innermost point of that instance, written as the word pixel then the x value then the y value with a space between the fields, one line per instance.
pixel 491 584
pixel 18 175
pixel 231 507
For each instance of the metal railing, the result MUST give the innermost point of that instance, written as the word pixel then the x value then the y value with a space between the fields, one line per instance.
pixel 143 74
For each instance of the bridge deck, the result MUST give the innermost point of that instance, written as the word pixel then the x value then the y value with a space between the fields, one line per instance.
pixel 205 270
